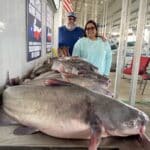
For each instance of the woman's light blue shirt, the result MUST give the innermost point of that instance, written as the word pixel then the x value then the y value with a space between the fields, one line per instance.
pixel 97 52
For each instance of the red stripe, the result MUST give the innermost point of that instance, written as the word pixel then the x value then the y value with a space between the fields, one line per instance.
pixel 67 5
pixel 68 8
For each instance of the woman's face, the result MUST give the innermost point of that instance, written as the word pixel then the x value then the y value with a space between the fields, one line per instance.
pixel 90 31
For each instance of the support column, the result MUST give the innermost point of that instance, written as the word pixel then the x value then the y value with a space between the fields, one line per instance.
pixel 85 13
pixel 58 21
pixel 105 21
pixel 126 31
pixel 82 15
pixel 121 47
pixel 96 9
pixel 138 48
pixel 149 42
pixel 111 24
pixel 93 9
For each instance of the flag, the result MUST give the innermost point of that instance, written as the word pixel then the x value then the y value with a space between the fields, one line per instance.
pixel 67 5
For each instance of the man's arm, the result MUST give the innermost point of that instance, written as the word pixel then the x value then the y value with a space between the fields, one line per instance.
pixel 60 37
pixel 62 49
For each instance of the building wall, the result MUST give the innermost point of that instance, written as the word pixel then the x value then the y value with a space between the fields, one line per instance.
pixel 12 38
pixel 13 47
pixel 57 23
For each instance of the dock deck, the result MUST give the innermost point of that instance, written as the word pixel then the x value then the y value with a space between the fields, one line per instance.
pixel 41 141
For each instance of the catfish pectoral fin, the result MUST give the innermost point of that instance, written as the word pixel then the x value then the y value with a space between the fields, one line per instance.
pixel 95 139
pixel 55 82
pixel 96 131
pixel 23 130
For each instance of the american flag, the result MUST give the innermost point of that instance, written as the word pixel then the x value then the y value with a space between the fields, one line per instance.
pixel 67 5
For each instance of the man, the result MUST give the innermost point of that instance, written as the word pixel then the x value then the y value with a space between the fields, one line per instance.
pixel 68 35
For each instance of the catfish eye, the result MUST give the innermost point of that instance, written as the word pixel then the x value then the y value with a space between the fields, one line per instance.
pixel 130 124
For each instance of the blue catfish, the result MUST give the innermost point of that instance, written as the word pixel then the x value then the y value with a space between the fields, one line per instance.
pixel 70 66
pixel 74 65
pixel 95 85
pixel 65 110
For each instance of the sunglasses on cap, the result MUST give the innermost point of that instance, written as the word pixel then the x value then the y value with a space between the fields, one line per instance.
pixel 90 28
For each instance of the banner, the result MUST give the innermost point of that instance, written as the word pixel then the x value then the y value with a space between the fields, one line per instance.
pixel 34 28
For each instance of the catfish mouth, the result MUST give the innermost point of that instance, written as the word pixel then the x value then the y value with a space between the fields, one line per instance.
pixel 128 132
pixel 134 127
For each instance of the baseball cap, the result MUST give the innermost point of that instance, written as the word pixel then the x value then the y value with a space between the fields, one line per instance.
pixel 71 14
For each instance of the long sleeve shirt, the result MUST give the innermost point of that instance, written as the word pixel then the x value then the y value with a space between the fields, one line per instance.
pixel 97 52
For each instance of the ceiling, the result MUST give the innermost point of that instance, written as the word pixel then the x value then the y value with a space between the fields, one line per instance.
pixel 107 12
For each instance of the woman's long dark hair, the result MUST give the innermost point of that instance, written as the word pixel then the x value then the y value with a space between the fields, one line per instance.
pixel 95 25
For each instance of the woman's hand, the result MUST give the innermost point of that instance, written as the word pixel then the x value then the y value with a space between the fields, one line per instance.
pixel 103 38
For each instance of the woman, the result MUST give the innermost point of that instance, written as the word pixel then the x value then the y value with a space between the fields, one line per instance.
pixel 93 49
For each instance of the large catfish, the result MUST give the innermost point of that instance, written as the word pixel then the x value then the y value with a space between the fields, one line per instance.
pixel 74 65
pixel 70 66
pixel 66 110
pixel 94 85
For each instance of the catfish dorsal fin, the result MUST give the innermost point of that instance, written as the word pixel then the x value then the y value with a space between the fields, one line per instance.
pixel 55 82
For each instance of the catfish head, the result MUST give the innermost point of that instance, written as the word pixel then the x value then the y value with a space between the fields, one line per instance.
pixel 120 119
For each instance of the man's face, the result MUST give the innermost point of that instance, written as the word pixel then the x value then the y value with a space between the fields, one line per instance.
pixel 71 20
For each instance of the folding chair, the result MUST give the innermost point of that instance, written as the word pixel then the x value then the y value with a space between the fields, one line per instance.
pixel 144 61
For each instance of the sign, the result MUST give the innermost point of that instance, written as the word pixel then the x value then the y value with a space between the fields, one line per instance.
pixel 34 28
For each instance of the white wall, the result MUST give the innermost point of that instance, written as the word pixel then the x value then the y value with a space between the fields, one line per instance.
pixel 57 24
pixel 13 39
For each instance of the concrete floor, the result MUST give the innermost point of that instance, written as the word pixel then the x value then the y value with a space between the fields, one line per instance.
pixel 125 88
pixel 41 141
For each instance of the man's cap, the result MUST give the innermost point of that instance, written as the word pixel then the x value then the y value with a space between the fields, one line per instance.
pixel 71 14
